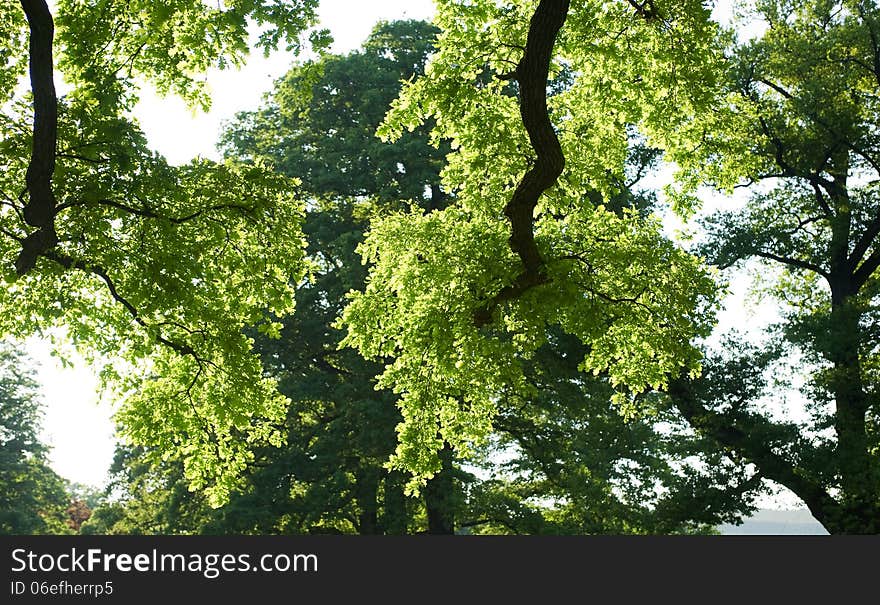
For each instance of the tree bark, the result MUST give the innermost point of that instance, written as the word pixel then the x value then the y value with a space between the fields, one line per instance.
pixel 366 495
pixel 39 211
pixel 440 497
pixel 858 477
pixel 395 518
pixel 531 74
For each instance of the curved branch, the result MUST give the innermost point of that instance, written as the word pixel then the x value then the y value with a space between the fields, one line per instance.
pixel 728 433
pixel 71 263
pixel 792 262
pixel 531 74
pixel 148 213
pixel 39 212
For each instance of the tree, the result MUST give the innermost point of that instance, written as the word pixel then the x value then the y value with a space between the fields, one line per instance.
pixel 33 499
pixel 796 124
pixel 459 299
pixel 572 464
pixel 320 125
pixel 146 496
pixel 163 266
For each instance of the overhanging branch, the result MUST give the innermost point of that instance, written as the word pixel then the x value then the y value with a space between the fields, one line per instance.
pixel 731 434
pixel 98 271
pixel 532 74
pixel 39 211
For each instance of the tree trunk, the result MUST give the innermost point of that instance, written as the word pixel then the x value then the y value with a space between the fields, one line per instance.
pixel 440 497
pixel 395 519
pixel 367 488
pixel 859 508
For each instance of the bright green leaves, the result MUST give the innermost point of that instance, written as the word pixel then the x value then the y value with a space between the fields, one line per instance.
pixel 170 44
pixel 13 38
pixel 630 295
pixel 158 270
pixel 615 283
pixel 209 413
pixel 161 268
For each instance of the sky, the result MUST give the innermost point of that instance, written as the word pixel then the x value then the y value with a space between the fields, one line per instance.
pixel 77 426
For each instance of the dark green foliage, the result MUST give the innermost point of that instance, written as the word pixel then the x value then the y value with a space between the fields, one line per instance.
pixel 575 465
pixel 33 499
pixel 797 125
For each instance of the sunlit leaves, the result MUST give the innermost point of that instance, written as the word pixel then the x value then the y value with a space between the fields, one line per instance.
pixel 159 270
pixel 169 44
pixel 615 283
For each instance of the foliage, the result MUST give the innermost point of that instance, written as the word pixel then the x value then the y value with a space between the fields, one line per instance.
pixel 611 278
pixel 796 124
pixel 159 268
pixel 571 464
pixel 33 499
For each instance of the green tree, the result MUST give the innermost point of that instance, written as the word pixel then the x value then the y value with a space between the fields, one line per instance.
pixel 320 125
pixel 796 124
pixel 33 499
pixel 570 463
pixel 146 496
pixel 459 299
pixel 162 266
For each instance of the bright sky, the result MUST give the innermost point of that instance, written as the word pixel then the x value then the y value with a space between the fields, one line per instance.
pixel 77 426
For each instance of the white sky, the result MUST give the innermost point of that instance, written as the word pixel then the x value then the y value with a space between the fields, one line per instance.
pixel 77 426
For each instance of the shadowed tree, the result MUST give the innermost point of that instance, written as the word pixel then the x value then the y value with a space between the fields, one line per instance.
pixel 33 499
pixel 797 125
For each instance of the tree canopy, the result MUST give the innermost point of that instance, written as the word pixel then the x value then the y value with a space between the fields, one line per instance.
pixel 158 265
pixel 459 298
pixel 560 460
pixel 33 498
pixel 795 123
pixel 517 296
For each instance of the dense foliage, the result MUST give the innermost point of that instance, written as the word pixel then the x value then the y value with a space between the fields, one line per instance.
pixel 493 331
pixel 155 267
pixel 33 498
pixel 796 123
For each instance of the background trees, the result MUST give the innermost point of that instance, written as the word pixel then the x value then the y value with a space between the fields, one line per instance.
pixel 520 305
pixel 33 498
pixel 796 124
pixel 562 459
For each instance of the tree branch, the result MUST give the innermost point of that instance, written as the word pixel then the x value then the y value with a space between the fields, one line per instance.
pixel 39 211
pixel 726 432
pixel 531 74
pixel 147 213
pixel 865 270
pixel 71 263
pixel 792 262
pixel 840 139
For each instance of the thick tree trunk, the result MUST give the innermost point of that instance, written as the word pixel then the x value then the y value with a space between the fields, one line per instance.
pixel 440 497
pixel 39 212
pixel 367 490
pixel 860 512
pixel 395 519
